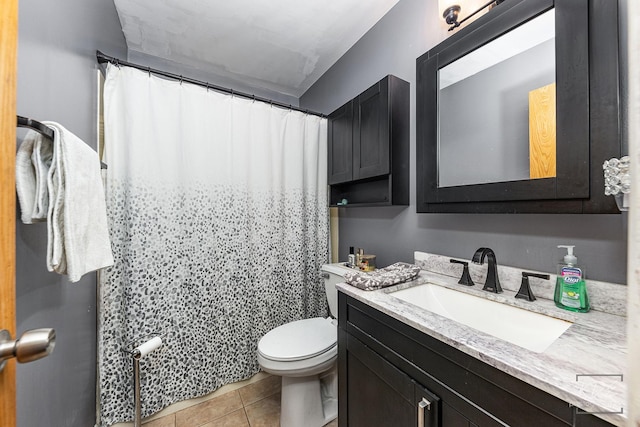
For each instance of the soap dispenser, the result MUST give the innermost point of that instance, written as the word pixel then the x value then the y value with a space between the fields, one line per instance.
pixel 571 289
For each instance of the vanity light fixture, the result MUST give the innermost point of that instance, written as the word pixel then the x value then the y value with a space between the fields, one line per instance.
pixel 451 10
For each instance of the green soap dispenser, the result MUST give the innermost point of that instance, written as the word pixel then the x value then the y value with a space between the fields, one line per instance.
pixel 571 289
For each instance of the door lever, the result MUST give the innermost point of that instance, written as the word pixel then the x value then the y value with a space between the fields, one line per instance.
pixel 32 345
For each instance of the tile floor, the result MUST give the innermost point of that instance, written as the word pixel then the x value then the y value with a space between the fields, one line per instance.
pixel 254 405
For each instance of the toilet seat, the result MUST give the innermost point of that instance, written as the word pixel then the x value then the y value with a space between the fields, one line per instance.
pixel 299 340
pixel 301 348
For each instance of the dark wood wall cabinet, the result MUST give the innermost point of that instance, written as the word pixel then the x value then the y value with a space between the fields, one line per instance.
pixel 390 374
pixel 587 122
pixel 369 147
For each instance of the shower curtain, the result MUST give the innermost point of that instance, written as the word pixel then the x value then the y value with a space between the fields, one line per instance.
pixel 218 218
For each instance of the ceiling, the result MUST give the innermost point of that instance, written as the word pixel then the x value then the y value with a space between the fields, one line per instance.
pixel 279 45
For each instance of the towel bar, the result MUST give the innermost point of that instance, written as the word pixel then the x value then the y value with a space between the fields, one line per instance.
pixel 25 122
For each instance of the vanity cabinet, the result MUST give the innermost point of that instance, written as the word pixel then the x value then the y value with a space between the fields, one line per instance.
pixel 386 369
pixel 369 147
pixel 507 126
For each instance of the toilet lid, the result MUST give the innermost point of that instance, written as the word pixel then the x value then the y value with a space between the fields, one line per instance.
pixel 299 340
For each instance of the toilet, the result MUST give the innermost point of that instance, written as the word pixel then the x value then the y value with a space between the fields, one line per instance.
pixel 304 354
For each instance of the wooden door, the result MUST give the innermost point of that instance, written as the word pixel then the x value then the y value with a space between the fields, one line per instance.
pixel 8 55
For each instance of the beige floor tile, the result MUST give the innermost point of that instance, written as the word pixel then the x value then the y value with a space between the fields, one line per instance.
pixel 333 423
pixel 261 389
pixel 234 419
pixel 210 410
pixel 265 412
pixel 167 421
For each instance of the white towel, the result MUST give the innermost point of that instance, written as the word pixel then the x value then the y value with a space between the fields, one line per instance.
pixel 78 237
pixel 33 161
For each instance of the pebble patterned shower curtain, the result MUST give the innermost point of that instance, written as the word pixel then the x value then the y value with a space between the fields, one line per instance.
pixel 218 218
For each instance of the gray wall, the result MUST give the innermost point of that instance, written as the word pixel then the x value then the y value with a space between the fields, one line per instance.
pixel 525 241
pixel 57 41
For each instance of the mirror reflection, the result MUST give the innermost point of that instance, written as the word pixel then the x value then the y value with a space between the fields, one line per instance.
pixel 496 109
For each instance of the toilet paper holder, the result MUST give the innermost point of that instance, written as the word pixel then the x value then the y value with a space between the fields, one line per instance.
pixel 146 344
pixel 143 345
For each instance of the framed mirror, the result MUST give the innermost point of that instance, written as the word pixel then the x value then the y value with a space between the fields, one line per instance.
pixel 505 109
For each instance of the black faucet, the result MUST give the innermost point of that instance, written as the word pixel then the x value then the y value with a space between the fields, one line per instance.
pixel 492 284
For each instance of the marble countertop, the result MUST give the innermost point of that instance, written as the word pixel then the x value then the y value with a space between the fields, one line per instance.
pixel 594 345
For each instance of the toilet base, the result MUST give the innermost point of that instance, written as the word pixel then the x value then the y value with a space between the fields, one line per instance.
pixel 309 401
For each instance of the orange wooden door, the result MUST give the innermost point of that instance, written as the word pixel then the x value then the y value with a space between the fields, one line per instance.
pixel 8 66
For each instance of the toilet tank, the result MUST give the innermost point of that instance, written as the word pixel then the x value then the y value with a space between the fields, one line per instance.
pixel 332 275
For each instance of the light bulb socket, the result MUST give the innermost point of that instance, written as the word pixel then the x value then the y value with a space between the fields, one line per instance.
pixel 451 13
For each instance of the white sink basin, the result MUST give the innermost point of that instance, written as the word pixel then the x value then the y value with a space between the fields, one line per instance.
pixel 527 329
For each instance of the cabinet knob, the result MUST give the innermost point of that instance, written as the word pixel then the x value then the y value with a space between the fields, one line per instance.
pixel 423 405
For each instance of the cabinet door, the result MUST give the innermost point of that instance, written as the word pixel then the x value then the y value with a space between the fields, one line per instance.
pixel 371 132
pixel 341 144
pixel 378 393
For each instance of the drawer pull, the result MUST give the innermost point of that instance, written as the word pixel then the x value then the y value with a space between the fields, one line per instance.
pixel 422 405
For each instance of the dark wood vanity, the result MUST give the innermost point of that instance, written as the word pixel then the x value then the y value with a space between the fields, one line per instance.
pixel 391 374
pixel 587 116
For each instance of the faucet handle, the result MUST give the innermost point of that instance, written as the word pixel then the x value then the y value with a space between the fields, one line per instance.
pixel 466 277
pixel 525 289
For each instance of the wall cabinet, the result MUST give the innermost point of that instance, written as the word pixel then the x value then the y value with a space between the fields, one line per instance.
pixel 478 137
pixel 369 147
pixel 392 374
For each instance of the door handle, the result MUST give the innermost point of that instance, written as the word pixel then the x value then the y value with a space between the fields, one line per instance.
pixel 422 405
pixel 32 345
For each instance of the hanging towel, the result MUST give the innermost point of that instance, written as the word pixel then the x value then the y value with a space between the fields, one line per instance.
pixel 77 218
pixel 62 178
pixel 395 273
pixel 33 161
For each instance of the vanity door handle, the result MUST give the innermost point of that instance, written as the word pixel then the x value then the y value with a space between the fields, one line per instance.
pixel 423 405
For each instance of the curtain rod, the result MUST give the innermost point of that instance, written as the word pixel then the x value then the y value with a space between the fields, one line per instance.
pixel 102 58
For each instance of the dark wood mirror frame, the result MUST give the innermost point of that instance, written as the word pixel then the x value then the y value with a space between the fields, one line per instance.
pixel 588 129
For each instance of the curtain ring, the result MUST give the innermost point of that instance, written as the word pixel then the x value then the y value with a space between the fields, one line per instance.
pixel 117 63
pixel 232 94
pixel 207 86
pixel 149 71
pixel 254 99
pixel 180 79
